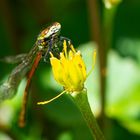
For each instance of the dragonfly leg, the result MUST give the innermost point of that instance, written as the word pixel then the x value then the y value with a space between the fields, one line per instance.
pixel 49 50
pixel 68 42
pixel 62 38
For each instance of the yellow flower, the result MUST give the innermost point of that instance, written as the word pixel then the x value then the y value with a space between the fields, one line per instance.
pixel 69 70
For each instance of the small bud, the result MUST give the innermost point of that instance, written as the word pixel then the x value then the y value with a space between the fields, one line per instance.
pixel 110 3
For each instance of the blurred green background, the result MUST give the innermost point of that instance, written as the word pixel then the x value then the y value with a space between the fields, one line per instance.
pixel 112 28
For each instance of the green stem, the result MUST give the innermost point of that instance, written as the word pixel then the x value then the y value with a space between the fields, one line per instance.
pixel 82 102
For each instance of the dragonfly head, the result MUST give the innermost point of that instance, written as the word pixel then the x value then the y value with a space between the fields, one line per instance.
pixel 49 33
pixel 52 30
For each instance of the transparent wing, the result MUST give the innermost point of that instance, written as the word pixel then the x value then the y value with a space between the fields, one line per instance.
pixel 9 88
pixel 14 59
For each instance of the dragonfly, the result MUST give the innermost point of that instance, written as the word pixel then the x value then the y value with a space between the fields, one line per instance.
pixel 49 40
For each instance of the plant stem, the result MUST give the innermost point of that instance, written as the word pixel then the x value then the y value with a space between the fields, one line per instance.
pixel 82 102
pixel 97 36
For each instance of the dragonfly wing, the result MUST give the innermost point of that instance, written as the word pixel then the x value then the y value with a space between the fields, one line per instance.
pixel 8 89
pixel 14 59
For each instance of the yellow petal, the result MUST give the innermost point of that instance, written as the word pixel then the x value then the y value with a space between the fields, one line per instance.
pixel 57 70
pixel 80 64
